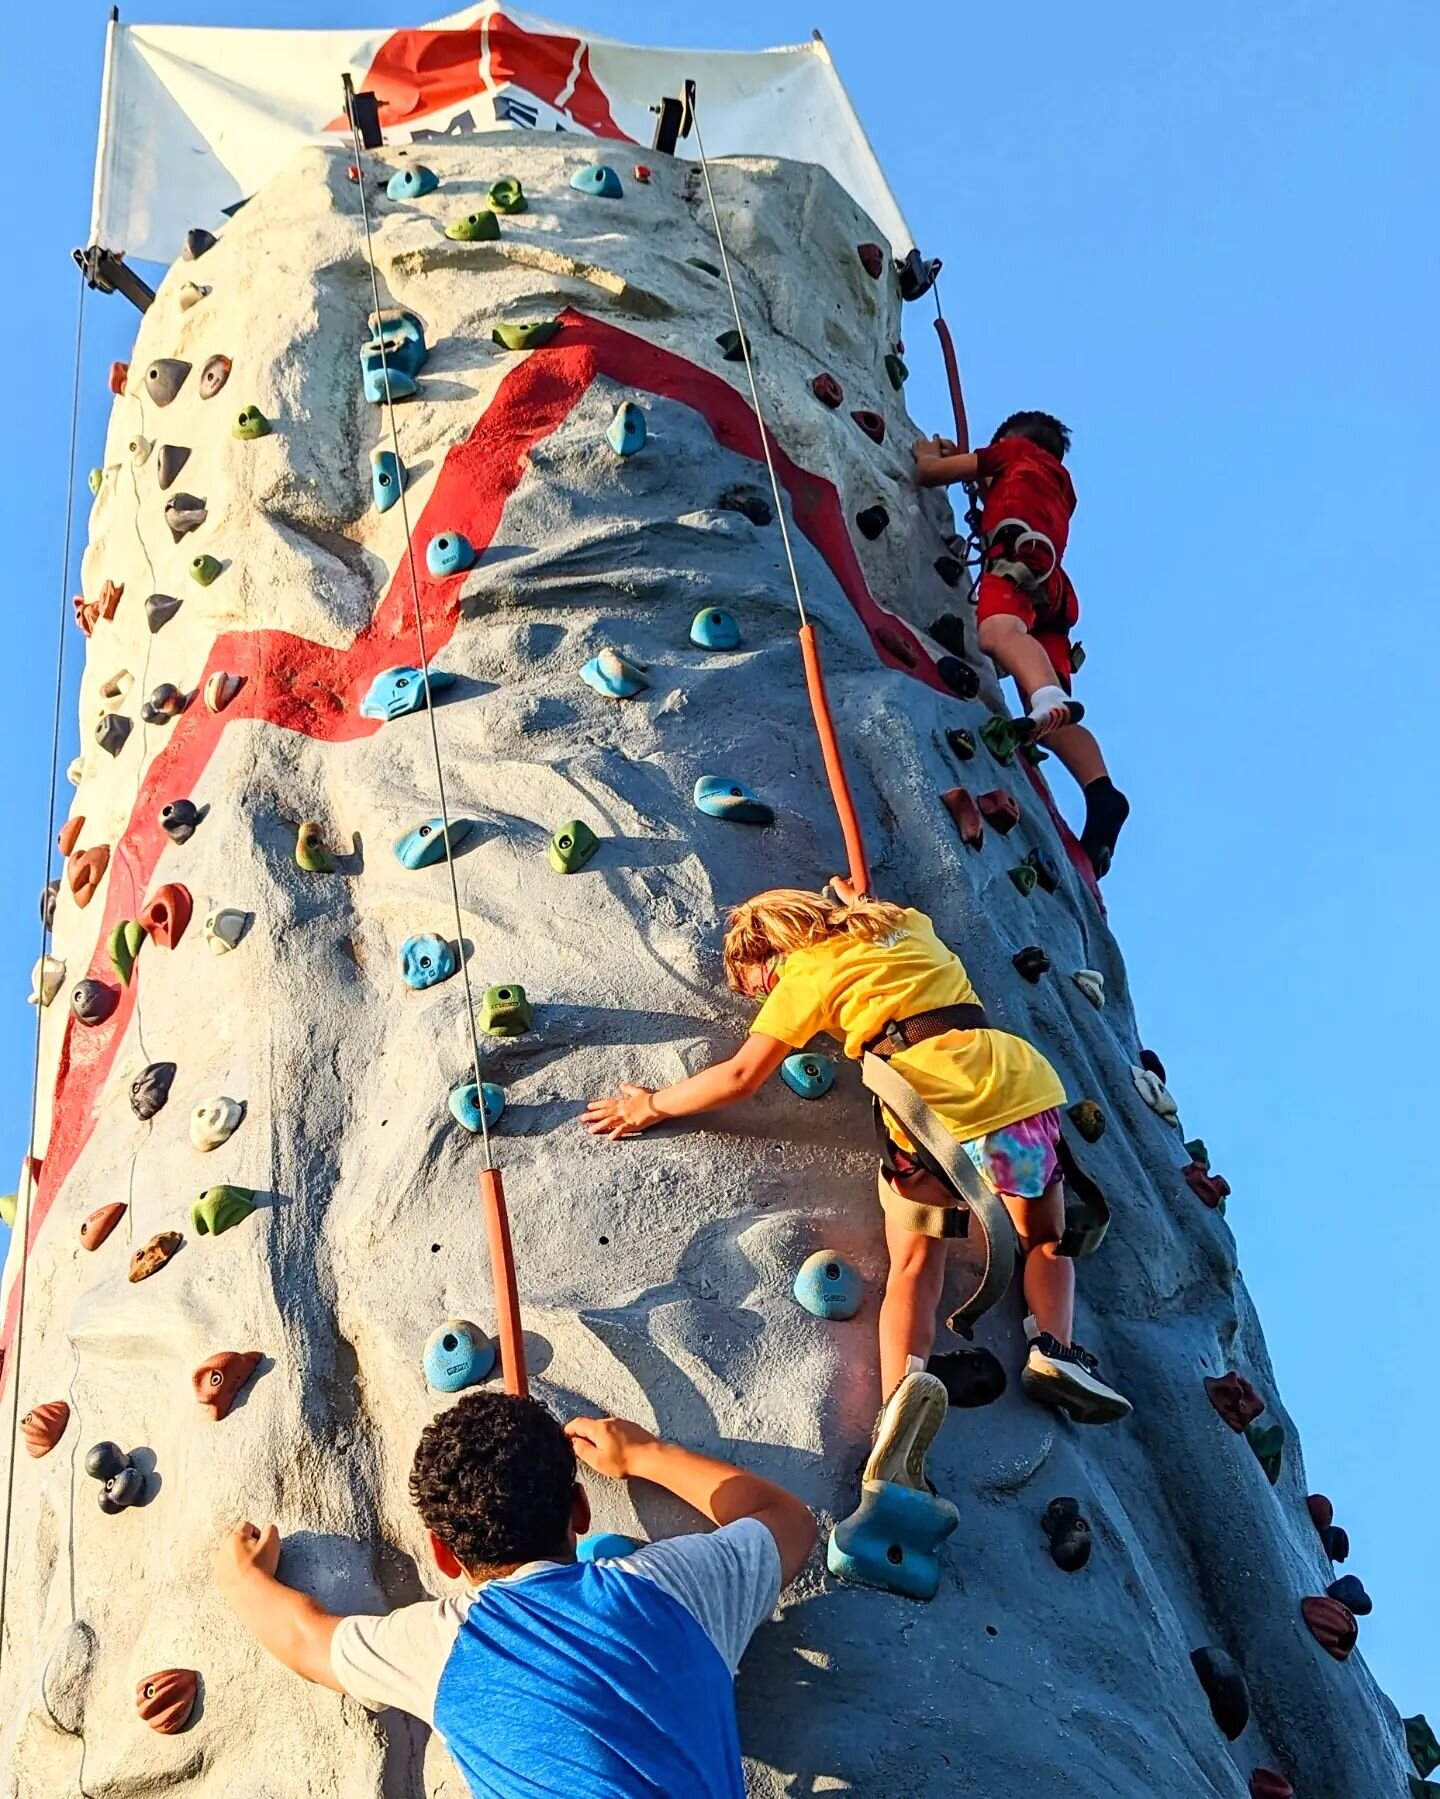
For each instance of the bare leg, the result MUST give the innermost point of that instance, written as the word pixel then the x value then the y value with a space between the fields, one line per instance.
pixel 1011 645
pixel 912 1291
pixel 1049 1276
pixel 1077 749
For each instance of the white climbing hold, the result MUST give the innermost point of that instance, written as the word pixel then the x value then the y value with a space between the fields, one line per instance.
pixel 215 1121
pixel 1091 984
pixel 140 448
pixel 46 979
pixel 118 685
pixel 220 689
pixel 1155 1094
pixel 225 928
pixel 191 294
pixel 75 772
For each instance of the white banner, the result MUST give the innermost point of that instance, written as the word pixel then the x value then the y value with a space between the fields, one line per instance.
pixel 193 120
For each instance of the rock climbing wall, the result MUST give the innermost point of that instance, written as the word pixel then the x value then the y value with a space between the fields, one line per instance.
pixel 242 592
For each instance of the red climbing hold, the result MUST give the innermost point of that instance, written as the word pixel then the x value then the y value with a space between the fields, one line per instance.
pixel 1322 1513
pixel 1332 1625
pixel 166 1700
pixel 98 1226
pixel 642 172
pixel 1208 1188
pixel 1265 1783
pixel 167 914
pixel 352 171
pixel 217 1381
pixel 872 260
pixel 1235 1399
pixel 85 870
pixel 828 391
pixel 897 643
pixel 1000 809
pixel 960 804
pixel 871 424
pixel 118 372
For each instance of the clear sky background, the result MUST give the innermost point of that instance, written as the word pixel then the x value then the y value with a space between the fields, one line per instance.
pixel 1205 236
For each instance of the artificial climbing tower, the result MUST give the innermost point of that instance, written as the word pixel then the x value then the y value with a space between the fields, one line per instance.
pixel 258 1195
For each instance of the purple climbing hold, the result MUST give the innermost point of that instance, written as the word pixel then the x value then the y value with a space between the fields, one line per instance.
pixel 872 260
pixel 169 460
pixel 828 391
pixel 871 423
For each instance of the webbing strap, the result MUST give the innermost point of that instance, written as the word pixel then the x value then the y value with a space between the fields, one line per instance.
pixel 924 1221
pixel 922 1126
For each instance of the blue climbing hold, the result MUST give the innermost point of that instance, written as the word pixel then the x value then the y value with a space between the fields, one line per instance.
pixel 403 337
pixel 386 478
pixel 412 183
pixel 809 1075
pixel 600 181
pixel 892 1540
pixel 626 434
pixel 425 962
pixel 396 692
pixel 383 378
pixel 425 845
pixel 459 1355
pixel 604 1546
pixel 715 630
pixel 614 675
pixel 449 554
pixel 719 798
pixel 828 1287
pixel 465 1108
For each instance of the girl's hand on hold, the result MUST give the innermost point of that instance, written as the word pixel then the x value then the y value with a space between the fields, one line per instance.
pixel 628 1113
pixel 843 890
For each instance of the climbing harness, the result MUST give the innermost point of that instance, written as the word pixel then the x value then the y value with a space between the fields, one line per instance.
pixel 809 646
pixel 1005 549
pixel 508 1328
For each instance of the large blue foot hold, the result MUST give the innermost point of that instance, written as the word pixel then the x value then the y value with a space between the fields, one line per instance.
pixel 426 961
pixel 403 336
pixel 810 1075
pixel 892 1540
pixel 828 1287
pixel 613 675
pixel 395 692
pixel 718 798
pixel 604 1546
pixel 604 183
pixel 383 379
pixel 458 1355
pixel 425 845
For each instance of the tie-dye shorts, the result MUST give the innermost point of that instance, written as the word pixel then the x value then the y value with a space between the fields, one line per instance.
pixel 1019 1159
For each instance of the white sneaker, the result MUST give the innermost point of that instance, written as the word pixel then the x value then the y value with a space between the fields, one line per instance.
pixel 1068 1378
pixel 907 1427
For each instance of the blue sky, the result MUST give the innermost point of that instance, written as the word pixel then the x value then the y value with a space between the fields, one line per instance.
pixel 1205 237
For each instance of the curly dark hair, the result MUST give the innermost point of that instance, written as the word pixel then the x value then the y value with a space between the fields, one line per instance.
pixel 494 1479
pixel 1040 428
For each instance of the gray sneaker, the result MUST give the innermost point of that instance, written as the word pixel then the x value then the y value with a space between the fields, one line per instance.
pixel 907 1427
pixel 1068 1377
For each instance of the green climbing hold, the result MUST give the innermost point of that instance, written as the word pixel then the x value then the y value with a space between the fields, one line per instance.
pixel 506 195
pixel 505 1012
pixel 1033 754
pixel 897 372
pixel 525 337
pixel 1024 877
pixel 706 268
pixel 124 945
pixel 310 850
pixel 732 346
pixel 572 846
pixel 218 1208
pixel 1421 1744
pixel 474 228
pixel 250 423
pixel 1197 1152
pixel 9 1204
pixel 1268 1443
pixel 97 475
pixel 205 569
pixel 998 736
pixel 1424 1789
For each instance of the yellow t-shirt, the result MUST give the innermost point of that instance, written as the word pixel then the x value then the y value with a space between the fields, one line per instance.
pixel 976 1081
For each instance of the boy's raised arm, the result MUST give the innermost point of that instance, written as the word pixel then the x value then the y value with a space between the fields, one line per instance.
pixel 939 464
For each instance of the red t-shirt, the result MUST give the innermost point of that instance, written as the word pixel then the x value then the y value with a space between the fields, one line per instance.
pixel 1027 482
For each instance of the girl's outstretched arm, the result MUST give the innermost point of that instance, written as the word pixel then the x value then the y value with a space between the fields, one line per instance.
pixel 635 1109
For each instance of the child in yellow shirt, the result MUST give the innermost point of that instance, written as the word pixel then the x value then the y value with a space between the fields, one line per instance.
pixel 852 967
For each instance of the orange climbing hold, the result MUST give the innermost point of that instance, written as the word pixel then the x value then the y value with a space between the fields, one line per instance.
pixel 960 804
pixel 70 834
pixel 43 1426
pixel 218 1380
pixel 1235 1399
pixel 118 373
pixel 1333 1626
pixel 98 1226
pixel 85 870
pixel 166 1700
pixel 166 916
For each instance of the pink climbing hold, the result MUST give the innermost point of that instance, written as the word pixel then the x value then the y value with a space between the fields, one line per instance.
pixel 871 424
pixel 1333 1626
pixel 1265 1783
pixel 1000 809
pixel 1235 1399
pixel 1208 1188
pixel 960 804
pixel 872 260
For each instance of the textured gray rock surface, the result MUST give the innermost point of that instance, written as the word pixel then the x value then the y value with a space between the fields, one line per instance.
pixel 655 1275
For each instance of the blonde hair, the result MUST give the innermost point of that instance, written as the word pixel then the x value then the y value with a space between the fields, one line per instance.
pixel 785 919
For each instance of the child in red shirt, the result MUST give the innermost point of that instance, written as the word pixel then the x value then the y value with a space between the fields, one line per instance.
pixel 1025 604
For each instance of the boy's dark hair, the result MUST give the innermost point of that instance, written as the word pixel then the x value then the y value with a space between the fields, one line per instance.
pixel 494 1479
pixel 1039 428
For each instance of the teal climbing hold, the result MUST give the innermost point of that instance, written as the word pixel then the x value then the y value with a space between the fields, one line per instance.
pixel 572 846
pixel 810 1075
pixel 396 692
pixel 250 423
pixel 828 1287
pixel 205 569
pixel 403 336
pixel 602 182
pixel 382 379
pixel 998 736
pixel 425 844
pixel 733 346
pixel 475 228
pixel 1024 878
pixel 458 1355
pixel 426 961
pixel 412 183
pixel 505 1012
pixel 525 337
pixel 892 1540
pixel 465 1108
pixel 449 553
pixel 713 629
pixel 386 478
pixel 614 675
pixel 604 1546
pixel 1268 1443
pixel 626 433
pixel 220 1207
pixel 896 371
pixel 506 195
pixel 731 800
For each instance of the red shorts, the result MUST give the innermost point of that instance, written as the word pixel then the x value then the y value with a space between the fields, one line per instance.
pixel 997 596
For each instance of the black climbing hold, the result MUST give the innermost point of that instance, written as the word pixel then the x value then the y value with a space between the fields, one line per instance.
pixel 179 819
pixel 169 460
pixel 103 1461
pixel 1088 1119
pixel 184 513
pixel 111 731
pixel 122 1490
pixel 708 268
pixel 1087 1210
pixel 732 346
pixel 871 423
pixel 164 378
pixel 1421 1743
pixel 950 570
pixel 745 499
pixel 959 677
pixel 151 1088
pixel 1153 1065
pixel 160 608
pixel 1069 1534
pixel 1351 1593
pixel 828 391
pixel 1047 871
pixel 165 702
pixel 962 743
pixel 949 632
pixel 916 275
pixel 1030 963
pixel 213 376
pixel 49 893
pixel 197 241
pixel 1225 1687
pixel 871 522
pixel 896 372
pixel 972 1377
pixel 1335 1540
pixel 872 259
pixel 92 1001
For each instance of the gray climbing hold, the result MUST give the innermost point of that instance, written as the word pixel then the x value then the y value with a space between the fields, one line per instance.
pixel 184 513
pixel 168 464
pixel 160 608
pixel 1092 984
pixel 213 376
pixel 1155 1093
pixel 197 241
pixel 164 378
pixel 179 819
pixel 92 1001
pixel 705 268
pixel 225 928
pixel 151 1088
pixel 49 893
pixel 112 729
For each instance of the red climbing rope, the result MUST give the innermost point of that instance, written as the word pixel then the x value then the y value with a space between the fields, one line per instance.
pixel 952 375
pixel 502 1270
pixel 834 763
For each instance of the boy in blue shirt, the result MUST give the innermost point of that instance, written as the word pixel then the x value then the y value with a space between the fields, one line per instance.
pixel 591 1680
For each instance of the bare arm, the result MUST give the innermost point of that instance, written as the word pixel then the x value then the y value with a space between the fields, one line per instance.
pixel 290 1625
pixel 720 1490
pixel 635 1108
pixel 939 464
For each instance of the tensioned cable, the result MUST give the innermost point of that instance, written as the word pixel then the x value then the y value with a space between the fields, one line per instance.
pixel 420 633
pixel 22 1217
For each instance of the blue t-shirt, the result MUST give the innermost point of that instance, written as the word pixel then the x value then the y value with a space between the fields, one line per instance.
pixel 588 1680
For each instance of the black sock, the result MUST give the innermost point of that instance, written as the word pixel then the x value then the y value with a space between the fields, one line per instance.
pixel 1106 810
